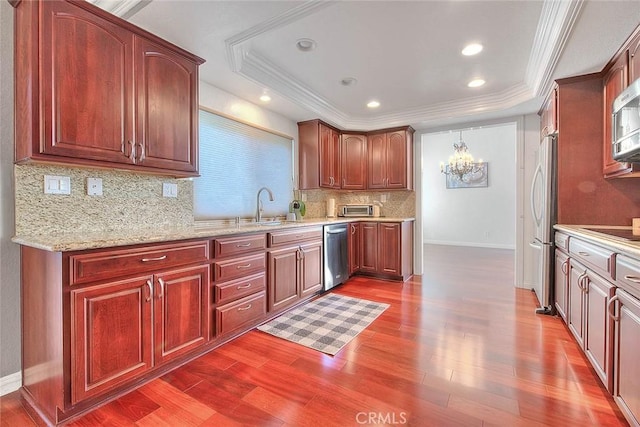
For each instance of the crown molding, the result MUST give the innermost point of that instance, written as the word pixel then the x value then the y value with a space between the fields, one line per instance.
pixel 122 8
pixel 554 27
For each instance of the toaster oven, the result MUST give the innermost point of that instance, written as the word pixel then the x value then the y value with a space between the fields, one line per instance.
pixel 355 210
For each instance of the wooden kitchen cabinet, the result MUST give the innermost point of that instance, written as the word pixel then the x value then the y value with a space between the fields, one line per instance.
pixel 294 266
pixel 102 320
pixel 625 313
pixel 120 309
pixel 355 247
pixel 561 283
pixel 614 82
pixel 319 155
pixel 354 161
pixel 575 310
pixel 549 114
pixel 94 90
pixel 390 159
pixel 634 58
pixel 386 249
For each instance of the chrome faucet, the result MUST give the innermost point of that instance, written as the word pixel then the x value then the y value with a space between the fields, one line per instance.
pixel 258 203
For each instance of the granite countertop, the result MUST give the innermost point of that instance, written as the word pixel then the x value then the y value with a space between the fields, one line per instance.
pixel 63 242
pixel 615 243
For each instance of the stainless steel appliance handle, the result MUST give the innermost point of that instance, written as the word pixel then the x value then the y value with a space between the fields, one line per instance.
pixel 537 173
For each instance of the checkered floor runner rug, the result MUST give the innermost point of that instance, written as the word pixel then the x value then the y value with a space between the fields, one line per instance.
pixel 326 324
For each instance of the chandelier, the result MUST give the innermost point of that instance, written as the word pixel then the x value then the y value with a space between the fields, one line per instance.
pixel 461 164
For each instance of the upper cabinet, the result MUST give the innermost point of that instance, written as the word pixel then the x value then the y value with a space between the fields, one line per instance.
pixel 94 90
pixel 390 159
pixel 623 69
pixel 549 114
pixel 354 160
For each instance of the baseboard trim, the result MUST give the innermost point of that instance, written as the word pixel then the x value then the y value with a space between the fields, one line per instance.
pixel 10 383
pixel 471 244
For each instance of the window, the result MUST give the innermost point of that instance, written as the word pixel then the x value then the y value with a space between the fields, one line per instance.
pixel 236 160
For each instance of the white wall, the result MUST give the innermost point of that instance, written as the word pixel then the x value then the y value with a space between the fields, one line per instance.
pixel 484 217
pixel 9 252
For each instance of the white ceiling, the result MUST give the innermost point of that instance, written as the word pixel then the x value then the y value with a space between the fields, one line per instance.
pixel 404 54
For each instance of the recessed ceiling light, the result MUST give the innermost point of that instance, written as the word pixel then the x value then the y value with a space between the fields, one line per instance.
pixel 373 104
pixel 472 49
pixel 476 83
pixel 348 81
pixel 265 98
pixel 306 45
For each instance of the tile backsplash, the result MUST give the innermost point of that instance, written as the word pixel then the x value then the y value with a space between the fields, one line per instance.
pixel 399 204
pixel 130 201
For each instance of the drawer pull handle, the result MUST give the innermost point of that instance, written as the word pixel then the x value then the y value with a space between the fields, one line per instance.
pixel 243 266
pixel 244 308
pixel 611 308
pixel 634 279
pixel 299 236
pixel 160 258
pixel 247 286
pixel 583 253
pixel 246 245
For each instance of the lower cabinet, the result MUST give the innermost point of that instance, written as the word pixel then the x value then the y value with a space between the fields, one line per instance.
pixel 123 328
pixel 587 319
pixel 625 314
pixel 294 266
pixel 561 283
pixel 354 247
pixel 241 313
pixel 385 249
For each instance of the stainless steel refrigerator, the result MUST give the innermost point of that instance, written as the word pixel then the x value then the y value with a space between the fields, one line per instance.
pixel 543 209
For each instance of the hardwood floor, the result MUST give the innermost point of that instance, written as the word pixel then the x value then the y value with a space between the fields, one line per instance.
pixel 459 346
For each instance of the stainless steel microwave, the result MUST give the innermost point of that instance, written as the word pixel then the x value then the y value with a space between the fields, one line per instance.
pixel 625 125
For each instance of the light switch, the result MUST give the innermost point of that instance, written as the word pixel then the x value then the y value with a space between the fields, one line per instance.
pixel 169 189
pixel 94 186
pixel 57 184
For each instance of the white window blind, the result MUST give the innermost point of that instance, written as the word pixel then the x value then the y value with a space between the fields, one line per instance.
pixel 236 160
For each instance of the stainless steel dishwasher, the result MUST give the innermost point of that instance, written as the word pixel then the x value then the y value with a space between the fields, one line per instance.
pixel 336 267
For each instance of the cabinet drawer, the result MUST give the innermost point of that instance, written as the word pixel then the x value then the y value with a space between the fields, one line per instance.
pixel 284 237
pixel 628 274
pixel 244 312
pixel 94 266
pixel 229 291
pixel 238 267
pixel 228 246
pixel 561 241
pixel 595 256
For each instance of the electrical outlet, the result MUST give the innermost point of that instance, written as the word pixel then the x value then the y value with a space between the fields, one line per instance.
pixel 94 186
pixel 57 184
pixel 169 189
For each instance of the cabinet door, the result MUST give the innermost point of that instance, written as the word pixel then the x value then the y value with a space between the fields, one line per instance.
pixel 561 283
pixel 110 335
pixel 626 368
pixel 354 248
pixel 310 269
pixel 181 307
pixel 329 157
pixel 614 82
pixel 87 85
pixel 167 101
pixel 398 160
pixel 634 59
pixel 376 160
pixel 283 277
pixel 369 247
pixel 354 162
pixel 597 332
pixel 575 316
pixel 389 248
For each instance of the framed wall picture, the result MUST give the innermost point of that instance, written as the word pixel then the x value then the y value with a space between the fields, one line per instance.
pixel 477 179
